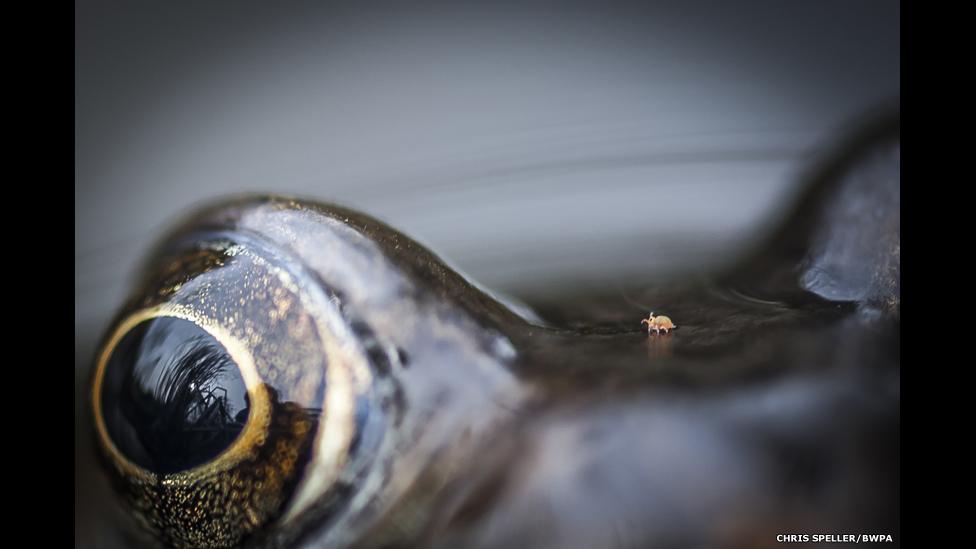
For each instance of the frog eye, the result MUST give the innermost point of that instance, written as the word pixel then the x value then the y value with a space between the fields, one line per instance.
pixel 286 369
pixel 172 397
pixel 228 394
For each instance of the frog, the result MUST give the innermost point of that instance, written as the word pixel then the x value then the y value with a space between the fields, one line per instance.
pixel 294 373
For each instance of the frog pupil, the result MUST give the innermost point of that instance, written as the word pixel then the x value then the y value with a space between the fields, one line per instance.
pixel 173 398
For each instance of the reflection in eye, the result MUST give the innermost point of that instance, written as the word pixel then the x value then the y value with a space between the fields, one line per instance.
pixel 173 398
pixel 204 458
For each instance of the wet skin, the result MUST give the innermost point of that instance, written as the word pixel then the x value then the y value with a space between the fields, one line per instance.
pixel 392 403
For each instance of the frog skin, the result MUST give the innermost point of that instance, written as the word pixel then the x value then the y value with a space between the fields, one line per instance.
pixel 425 412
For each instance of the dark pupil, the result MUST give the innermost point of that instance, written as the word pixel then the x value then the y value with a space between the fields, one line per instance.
pixel 172 397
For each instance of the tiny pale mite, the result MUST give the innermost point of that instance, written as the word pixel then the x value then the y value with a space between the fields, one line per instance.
pixel 658 323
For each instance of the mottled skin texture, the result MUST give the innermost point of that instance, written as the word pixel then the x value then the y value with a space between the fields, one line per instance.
pixel 774 409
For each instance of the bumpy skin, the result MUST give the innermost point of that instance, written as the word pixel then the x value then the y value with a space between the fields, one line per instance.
pixel 774 409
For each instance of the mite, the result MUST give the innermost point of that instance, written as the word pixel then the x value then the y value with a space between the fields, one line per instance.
pixel 658 324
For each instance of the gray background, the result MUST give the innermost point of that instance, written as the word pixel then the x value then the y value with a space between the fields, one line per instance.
pixel 526 145
pixel 532 147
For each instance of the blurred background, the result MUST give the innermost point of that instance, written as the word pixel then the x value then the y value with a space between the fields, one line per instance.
pixel 536 147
